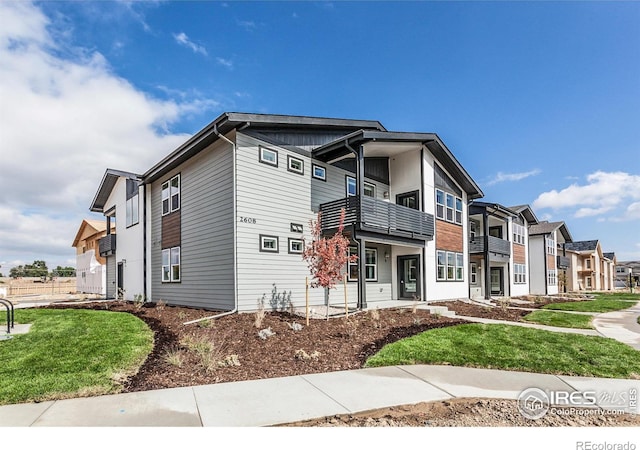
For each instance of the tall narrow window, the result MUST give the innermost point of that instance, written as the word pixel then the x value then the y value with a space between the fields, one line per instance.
pixel 450 201
pixel 171 265
pixel 474 273
pixel 459 267
pixel 459 211
pixel 439 204
pixel 171 195
pixel 351 186
pixel 442 265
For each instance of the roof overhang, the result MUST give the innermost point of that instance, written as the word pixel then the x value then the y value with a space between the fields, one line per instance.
pixel 351 144
pixel 527 212
pixel 491 208
pixel 106 186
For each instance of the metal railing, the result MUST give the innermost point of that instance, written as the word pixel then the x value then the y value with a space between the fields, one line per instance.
pixel 10 313
pixel 107 245
pixel 480 244
pixel 377 215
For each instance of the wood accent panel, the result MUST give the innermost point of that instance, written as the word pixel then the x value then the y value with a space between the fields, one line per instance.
pixel 449 236
pixel 171 225
pixel 519 255
pixel 551 262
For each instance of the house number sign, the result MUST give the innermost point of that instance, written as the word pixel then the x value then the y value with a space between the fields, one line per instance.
pixel 247 220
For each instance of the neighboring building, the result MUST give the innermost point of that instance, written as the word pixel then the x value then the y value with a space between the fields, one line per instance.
pixel 548 262
pixel 499 241
pixel 90 266
pixel 220 222
pixel 608 270
pixel 590 269
pixel 622 274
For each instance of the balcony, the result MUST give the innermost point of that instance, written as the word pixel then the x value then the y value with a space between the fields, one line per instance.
pixel 481 244
pixel 378 216
pixel 563 262
pixel 107 245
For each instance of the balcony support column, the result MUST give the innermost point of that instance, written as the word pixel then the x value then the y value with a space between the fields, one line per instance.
pixel 362 275
pixel 487 271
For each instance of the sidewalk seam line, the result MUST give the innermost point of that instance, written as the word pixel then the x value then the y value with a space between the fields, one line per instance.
pixel 325 394
pixel 426 381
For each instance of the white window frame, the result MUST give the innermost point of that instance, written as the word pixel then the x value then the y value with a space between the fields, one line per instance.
pixel 291 160
pixel 440 204
pixel 459 267
pixel 267 238
pixel 169 264
pixel 552 277
pixel 292 242
pixel 450 203
pixel 355 265
pixel 449 266
pixel 449 207
pixel 351 180
pixel 518 234
pixel 371 187
pixel 319 176
pixel 458 212
pixel 169 191
pixel 551 245
pixel 133 211
pixel 263 151
pixel 519 273
pixel 473 273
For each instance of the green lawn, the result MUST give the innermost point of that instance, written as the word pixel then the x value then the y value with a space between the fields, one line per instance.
pixel 514 348
pixel 69 353
pixel 559 319
pixel 602 303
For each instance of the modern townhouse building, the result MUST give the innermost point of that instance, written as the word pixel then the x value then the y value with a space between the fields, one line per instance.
pixel 499 249
pixel 627 274
pixel 590 270
pixel 90 266
pixel 548 259
pixel 221 222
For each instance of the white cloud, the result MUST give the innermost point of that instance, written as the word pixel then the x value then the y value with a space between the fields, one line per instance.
pixel 605 192
pixel 225 62
pixel 248 25
pixel 70 118
pixel 183 39
pixel 501 177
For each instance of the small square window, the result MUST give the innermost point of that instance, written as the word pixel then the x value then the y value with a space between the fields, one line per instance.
pixel 297 228
pixel 269 244
pixel 369 189
pixel 319 172
pixel 295 165
pixel 351 186
pixel 296 246
pixel 269 156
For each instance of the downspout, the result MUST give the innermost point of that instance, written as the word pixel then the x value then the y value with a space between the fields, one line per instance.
pixel 546 270
pixel 423 206
pixel 144 241
pixel 487 270
pixel 362 283
pixel 235 235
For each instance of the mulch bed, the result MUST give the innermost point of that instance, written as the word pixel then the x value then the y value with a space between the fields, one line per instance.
pixel 229 348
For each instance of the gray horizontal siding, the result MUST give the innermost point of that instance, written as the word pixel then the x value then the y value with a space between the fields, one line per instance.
pixel 207 275
pixel 111 276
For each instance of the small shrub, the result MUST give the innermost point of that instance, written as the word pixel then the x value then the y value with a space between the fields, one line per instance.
pixel 174 357
pixel 182 315
pixel 161 304
pixel 302 355
pixel 266 333
pixel 350 327
pixel 295 326
pixel 417 320
pixel 375 317
pixel 260 313
pixel 229 361
pixel 206 323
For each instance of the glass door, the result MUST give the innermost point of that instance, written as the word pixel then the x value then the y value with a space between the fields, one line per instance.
pixel 409 276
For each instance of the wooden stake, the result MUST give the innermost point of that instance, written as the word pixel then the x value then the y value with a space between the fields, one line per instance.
pixel 306 288
pixel 346 307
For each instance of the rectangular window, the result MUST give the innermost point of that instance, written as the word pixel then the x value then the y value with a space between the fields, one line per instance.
pixel 132 211
pixel 551 245
pixel 459 211
pixel 171 265
pixel 371 265
pixel 442 265
pixel 296 228
pixel 319 172
pixel 171 195
pixel 474 273
pixel 551 277
pixel 472 229
pixel 268 244
pixel 451 265
pixel 295 165
pixel 268 156
pixel 369 189
pixel 295 245
pixel 519 273
pixel 459 267
pixel 439 204
pixel 588 263
pixel 518 233
pixel 450 199
pixel 351 186
pixel 588 282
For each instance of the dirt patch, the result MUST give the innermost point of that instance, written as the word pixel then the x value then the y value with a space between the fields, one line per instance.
pixel 467 413
pixel 487 312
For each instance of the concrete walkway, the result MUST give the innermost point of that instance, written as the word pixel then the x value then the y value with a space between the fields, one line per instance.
pixel 620 325
pixel 284 400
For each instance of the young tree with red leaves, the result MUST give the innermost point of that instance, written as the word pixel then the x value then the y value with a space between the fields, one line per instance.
pixel 326 257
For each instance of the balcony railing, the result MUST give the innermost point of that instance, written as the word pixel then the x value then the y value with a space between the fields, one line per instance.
pixel 375 215
pixel 480 244
pixel 107 245
pixel 563 262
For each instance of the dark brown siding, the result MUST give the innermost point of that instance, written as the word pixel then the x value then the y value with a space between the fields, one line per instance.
pixel 519 256
pixel 171 225
pixel 449 236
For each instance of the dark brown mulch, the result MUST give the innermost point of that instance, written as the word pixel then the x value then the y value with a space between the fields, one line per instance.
pixel 323 346
pixel 536 302
pixel 487 312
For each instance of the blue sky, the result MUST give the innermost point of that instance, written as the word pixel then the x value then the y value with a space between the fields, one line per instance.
pixel 540 101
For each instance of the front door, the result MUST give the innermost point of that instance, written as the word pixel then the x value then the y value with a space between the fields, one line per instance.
pixel 409 276
pixel 497 276
pixel 120 281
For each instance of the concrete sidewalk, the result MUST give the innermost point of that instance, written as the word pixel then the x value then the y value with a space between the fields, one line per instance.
pixel 283 400
pixel 620 325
